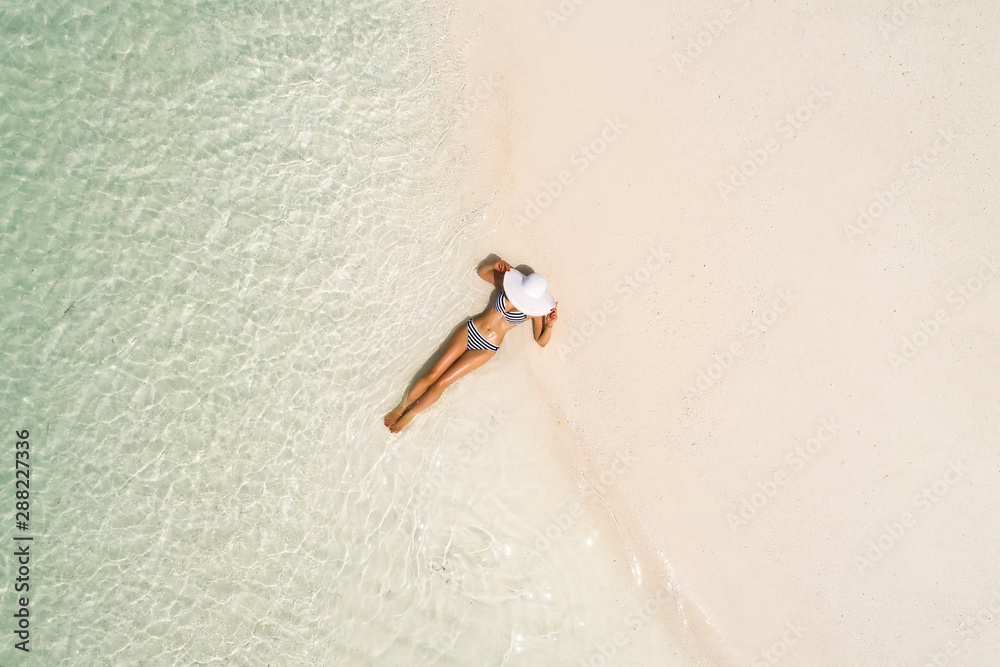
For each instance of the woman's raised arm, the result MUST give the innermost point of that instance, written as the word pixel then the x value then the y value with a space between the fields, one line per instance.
pixel 493 273
pixel 542 326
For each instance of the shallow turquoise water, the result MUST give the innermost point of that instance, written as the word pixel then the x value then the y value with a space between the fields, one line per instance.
pixel 221 225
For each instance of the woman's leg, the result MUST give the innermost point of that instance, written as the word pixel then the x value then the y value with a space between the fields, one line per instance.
pixel 456 346
pixel 469 361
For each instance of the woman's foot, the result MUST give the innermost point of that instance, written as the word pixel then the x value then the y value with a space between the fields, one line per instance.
pixel 401 423
pixel 391 417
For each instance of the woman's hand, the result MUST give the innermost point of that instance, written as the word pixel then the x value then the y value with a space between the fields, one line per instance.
pixel 494 274
pixel 544 333
pixel 551 318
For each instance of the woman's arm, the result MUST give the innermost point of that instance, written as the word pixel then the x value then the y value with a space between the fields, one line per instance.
pixel 493 273
pixel 542 326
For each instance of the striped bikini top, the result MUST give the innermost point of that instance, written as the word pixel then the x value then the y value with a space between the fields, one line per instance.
pixel 513 317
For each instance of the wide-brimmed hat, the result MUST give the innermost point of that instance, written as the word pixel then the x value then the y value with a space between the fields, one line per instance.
pixel 527 293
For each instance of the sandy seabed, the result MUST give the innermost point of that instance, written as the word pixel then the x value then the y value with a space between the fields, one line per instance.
pixel 772 232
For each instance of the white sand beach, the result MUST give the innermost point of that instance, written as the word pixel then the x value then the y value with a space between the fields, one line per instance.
pixel 771 229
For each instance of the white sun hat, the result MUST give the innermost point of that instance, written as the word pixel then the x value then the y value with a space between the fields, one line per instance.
pixel 527 293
